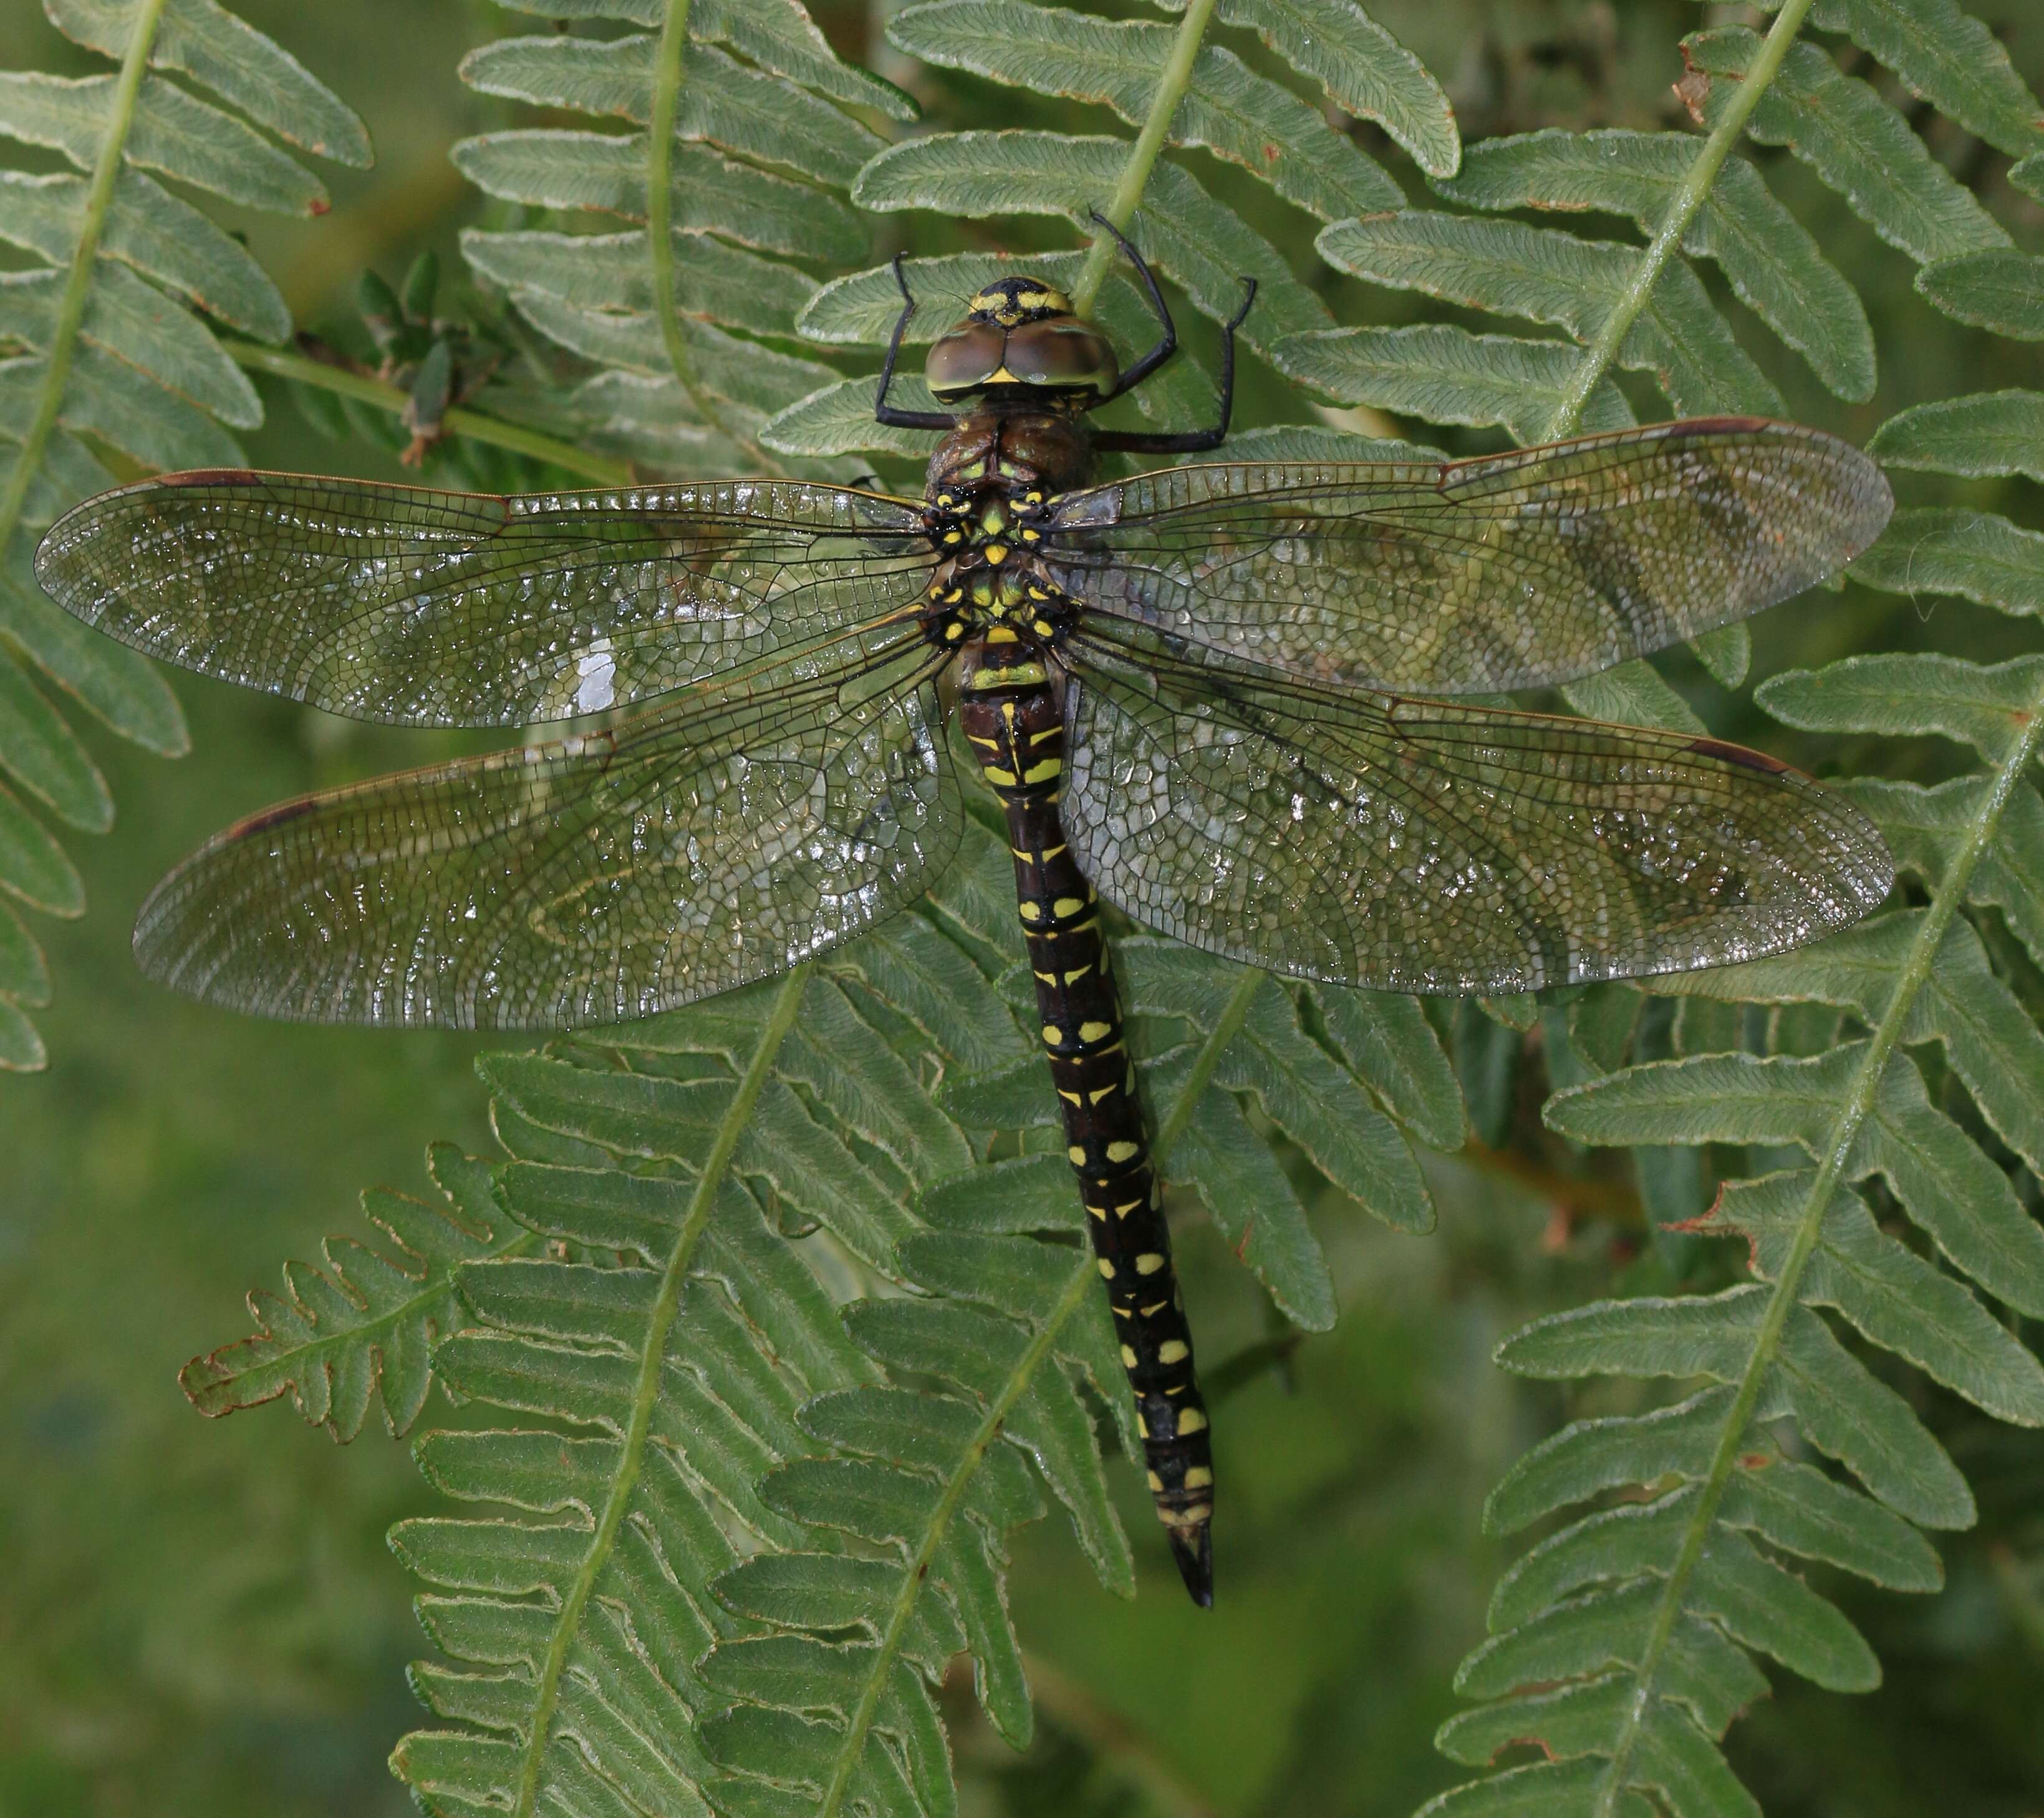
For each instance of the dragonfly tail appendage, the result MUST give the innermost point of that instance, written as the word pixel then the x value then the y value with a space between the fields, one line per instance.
pixel 1019 734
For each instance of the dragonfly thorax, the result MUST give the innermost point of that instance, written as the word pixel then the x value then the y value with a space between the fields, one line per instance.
pixel 993 493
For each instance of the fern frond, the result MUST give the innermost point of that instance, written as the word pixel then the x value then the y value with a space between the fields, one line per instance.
pixel 108 342
pixel 736 165
pixel 1770 260
pixel 362 1328
pixel 1619 1602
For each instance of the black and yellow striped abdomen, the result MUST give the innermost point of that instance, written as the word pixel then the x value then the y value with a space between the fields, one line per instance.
pixel 1013 717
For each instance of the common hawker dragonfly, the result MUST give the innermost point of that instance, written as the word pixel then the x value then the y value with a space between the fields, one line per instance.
pixel 1208 695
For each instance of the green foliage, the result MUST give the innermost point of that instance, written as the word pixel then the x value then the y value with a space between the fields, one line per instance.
pixel 756 167
pixel 774 1327
pixel 111 353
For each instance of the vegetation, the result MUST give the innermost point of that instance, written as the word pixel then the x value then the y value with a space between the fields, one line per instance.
pixel 773 1376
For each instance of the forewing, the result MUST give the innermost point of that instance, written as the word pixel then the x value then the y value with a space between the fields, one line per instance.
pixel 1471 576
pixel 1426 846
pixel 723 837
pixel 424 608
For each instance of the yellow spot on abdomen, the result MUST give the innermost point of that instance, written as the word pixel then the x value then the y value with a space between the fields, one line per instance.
pixel 1044 771
pixel 1031 911
pixel 1076 1156
pixel 1095 1031
pixel 1198 1477
pixel 1149 1262
pixel 1106 1269
pixel 1053 1035
pixel 1122 1151
pixel 1128 1357
pixel 1067 906
pixel 1192 1421
pixel 1173 1350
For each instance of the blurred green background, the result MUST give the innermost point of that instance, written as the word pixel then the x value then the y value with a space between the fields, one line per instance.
pixel 201 1619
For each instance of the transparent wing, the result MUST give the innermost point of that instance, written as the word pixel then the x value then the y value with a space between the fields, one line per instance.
pixel 423 608
pixel 1425 846
pixel 1469 576
pixel 721 838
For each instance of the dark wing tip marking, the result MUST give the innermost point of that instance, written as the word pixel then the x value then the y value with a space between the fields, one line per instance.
pixel 211 476
pixel 1743 756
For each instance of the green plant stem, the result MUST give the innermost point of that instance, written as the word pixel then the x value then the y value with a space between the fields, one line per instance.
pixel 1175 79
pixel 1667 240
pixel 646 1389
pixel 78 280
pixel 667 61
pixel 1082 1283
pixel 281 362
pixel 1839 1146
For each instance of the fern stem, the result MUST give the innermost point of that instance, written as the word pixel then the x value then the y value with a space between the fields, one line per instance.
pixel 77 281
pixel 1172 82
pixel 1844 1133
pixel 915 1574
pixel 646 1390
pixel 280 363
pixel 1667 240
pixel 667 61
pixel 1075 1295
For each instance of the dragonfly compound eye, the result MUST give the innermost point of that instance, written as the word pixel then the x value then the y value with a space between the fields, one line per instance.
pixel 1062 354
pixel 965 358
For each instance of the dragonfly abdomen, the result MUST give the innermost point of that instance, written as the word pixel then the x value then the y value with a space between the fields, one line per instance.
pixel 1016 727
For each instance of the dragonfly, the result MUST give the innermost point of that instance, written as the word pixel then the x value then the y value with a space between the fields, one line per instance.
pixel 1219 696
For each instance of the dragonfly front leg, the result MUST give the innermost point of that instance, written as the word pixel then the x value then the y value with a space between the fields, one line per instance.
pixel 1019 737
pixel 883 412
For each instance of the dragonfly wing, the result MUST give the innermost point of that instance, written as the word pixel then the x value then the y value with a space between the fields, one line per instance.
pixel 1430 846
pixel 423 608
pixel 1466 577
pixel 720 838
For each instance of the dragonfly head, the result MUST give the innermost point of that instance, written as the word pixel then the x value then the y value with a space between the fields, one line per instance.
pixel 1022 331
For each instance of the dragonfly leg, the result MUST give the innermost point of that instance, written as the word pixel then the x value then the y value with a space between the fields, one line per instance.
pixel 1167 343
pixel 883 412
pixel 1188 441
